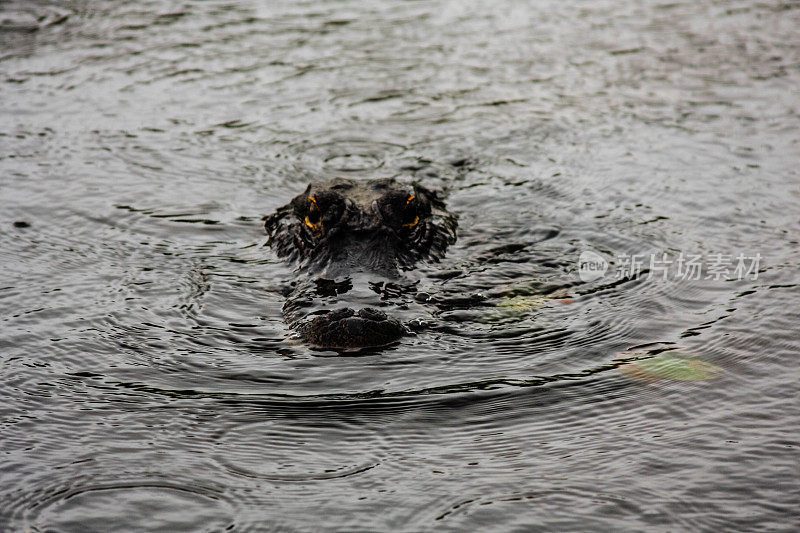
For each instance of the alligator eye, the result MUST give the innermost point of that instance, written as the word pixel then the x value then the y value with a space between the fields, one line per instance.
pixel 410 217
pixel 310 222
pixel 312 219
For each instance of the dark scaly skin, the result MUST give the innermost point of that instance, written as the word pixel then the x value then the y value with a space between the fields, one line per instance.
pixel 343 230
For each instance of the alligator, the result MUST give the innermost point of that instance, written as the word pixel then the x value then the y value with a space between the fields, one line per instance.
pixel 354 242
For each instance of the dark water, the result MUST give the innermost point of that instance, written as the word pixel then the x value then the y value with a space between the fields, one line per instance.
pixel 149 382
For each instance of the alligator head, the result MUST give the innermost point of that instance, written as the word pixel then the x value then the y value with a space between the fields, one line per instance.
pixel 347 237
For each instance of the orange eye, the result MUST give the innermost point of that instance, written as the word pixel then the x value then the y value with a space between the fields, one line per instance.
pixel 410 218
pixel 312 218
pixel 412 223
pixel 311 225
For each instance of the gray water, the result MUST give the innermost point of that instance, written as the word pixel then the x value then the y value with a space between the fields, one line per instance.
pixel 149 382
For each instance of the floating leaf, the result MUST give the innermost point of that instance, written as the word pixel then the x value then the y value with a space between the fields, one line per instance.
pixel 671 365
pixel 524 303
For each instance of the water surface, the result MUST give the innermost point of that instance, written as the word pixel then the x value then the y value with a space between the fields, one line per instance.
pixel 150 383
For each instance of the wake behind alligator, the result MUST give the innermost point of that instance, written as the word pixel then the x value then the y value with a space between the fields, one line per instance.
pixel 354 241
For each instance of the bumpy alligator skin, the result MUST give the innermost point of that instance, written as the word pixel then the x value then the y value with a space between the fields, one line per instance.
pixel 345 234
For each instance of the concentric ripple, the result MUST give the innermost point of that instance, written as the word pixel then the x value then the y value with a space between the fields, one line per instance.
pixel 347 155
pixel 159 506
pixel 294 453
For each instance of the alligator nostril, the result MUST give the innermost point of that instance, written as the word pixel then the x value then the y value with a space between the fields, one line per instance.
pixel 337 314
pixel 372 314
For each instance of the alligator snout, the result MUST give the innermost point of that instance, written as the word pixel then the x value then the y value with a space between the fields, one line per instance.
pixel 345 329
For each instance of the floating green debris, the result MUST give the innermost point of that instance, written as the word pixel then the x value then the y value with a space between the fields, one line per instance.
pixel 530 302
pixel 671 365
pixel 524 303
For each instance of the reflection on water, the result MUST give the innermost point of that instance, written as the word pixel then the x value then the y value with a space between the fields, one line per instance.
pixel 150 382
